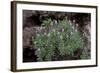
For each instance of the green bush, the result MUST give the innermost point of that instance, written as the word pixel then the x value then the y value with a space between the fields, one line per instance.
pixel 63 37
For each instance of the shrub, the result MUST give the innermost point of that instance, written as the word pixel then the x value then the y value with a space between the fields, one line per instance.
pixel 63 37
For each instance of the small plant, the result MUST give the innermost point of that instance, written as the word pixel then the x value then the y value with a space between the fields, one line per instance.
pixel 64 37
pixel 47 22
pixel 85 55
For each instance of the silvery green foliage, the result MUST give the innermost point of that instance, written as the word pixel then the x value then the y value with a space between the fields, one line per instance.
pixel 63 37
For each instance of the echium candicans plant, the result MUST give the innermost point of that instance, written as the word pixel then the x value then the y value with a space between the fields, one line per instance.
pixel 62 36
